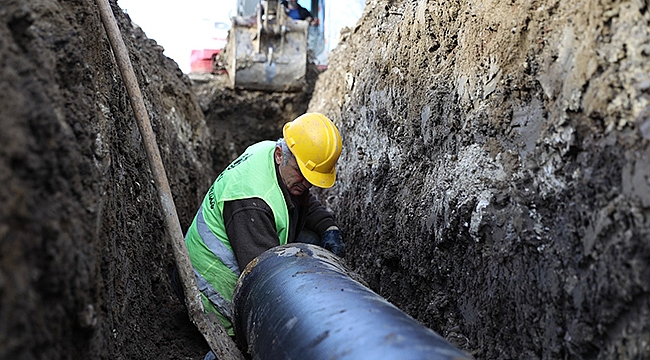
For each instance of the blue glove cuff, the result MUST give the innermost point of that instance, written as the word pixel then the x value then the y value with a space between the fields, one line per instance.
pixel 333 241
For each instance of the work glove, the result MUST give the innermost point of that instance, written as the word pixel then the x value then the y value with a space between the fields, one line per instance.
pixel 333 241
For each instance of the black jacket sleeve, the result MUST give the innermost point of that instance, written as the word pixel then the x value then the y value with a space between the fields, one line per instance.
pixel 304 13
pixel 250 223
pixel 250 226
pixel 317 218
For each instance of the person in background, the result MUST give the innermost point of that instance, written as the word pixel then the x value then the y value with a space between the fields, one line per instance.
pixel 297 12
pixel 262 200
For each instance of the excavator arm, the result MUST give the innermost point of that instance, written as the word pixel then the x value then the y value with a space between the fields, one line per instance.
pixel 266 50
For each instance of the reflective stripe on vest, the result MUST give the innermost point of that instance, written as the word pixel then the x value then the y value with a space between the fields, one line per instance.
pixel 223 306
pixel 215 245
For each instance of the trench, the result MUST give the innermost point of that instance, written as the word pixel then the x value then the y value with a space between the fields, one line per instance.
pixel 493 184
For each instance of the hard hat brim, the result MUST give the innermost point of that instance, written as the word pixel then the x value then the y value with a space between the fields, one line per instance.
pixel 318 179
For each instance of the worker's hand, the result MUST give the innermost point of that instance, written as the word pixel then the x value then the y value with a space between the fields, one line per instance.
pixel 333 241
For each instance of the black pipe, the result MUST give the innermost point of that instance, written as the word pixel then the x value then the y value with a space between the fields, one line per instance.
pixel 298 301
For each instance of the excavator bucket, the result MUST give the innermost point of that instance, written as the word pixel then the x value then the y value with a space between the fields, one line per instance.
pixel 267 51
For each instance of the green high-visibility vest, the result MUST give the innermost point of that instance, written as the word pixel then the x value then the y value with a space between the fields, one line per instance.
pixel 251 175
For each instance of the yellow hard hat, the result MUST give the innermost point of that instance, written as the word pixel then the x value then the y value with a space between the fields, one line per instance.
pixel 316 143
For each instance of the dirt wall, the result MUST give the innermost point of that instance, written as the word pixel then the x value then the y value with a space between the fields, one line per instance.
pixel 84 261
pixel 495 176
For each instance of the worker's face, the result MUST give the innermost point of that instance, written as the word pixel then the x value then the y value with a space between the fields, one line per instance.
pixel 290 174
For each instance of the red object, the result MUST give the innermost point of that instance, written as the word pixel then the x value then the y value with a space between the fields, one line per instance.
pixel 201 60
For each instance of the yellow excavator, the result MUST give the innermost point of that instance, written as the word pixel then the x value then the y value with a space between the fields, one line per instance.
pixel 267 49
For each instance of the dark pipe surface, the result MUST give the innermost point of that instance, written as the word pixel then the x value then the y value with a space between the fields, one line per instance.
pixel 297 301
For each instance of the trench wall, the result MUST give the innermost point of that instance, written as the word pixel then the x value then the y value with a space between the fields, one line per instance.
pixel 84 258
pixel 494 181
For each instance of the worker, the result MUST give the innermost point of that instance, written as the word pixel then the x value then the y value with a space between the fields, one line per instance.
pixel 297 12
pixel 262 200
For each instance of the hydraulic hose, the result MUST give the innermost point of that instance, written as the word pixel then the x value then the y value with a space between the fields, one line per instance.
pixel 298 301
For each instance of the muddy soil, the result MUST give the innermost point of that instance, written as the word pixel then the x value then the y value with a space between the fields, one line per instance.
pixel 500 152
pixel 494 183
